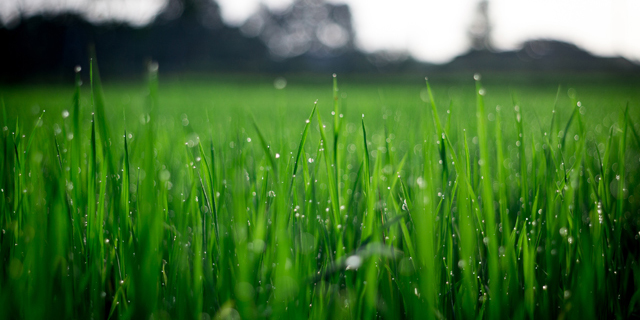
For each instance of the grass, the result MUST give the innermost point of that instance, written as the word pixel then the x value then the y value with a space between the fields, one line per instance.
pixel 223 198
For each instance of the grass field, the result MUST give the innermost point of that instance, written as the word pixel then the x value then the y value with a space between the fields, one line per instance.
pixel 227 198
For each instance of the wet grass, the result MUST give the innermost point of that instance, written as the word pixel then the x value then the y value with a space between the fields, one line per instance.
pixel 233 199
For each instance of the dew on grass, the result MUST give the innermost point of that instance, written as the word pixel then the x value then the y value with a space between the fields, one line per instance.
pixel 280 83
pixel 153 66
pixel 164 175
pixel 353 262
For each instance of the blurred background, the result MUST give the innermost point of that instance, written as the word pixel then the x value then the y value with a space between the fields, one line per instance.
pixel 46 39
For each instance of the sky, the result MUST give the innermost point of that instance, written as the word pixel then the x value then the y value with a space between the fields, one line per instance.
pixel 430 30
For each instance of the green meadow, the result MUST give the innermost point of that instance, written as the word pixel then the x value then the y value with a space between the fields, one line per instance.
pixel 348 197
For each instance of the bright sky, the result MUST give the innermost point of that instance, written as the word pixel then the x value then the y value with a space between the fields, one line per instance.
pixel 435 30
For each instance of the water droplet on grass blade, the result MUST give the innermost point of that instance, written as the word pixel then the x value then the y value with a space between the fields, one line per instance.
pixel 164 175
pixel 353 262
pixel 153 66
pixel 563 231
pixel 280 83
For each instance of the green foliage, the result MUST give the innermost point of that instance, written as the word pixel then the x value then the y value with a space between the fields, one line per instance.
pixel 200 211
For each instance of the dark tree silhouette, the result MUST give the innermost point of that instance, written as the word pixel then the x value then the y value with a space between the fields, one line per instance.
pixel 310 36
pixel 187 35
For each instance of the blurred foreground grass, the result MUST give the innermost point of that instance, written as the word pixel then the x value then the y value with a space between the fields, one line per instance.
pixel 229 198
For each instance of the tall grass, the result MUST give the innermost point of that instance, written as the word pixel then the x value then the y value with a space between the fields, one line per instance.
pixel 464 217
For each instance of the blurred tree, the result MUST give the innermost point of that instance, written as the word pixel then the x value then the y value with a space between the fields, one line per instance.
pixel 307 27
pixel 187 35
pixel 309 36
pixel 480 29
pixel 205 12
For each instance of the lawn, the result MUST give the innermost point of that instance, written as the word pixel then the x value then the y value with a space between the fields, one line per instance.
pixel 237 196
